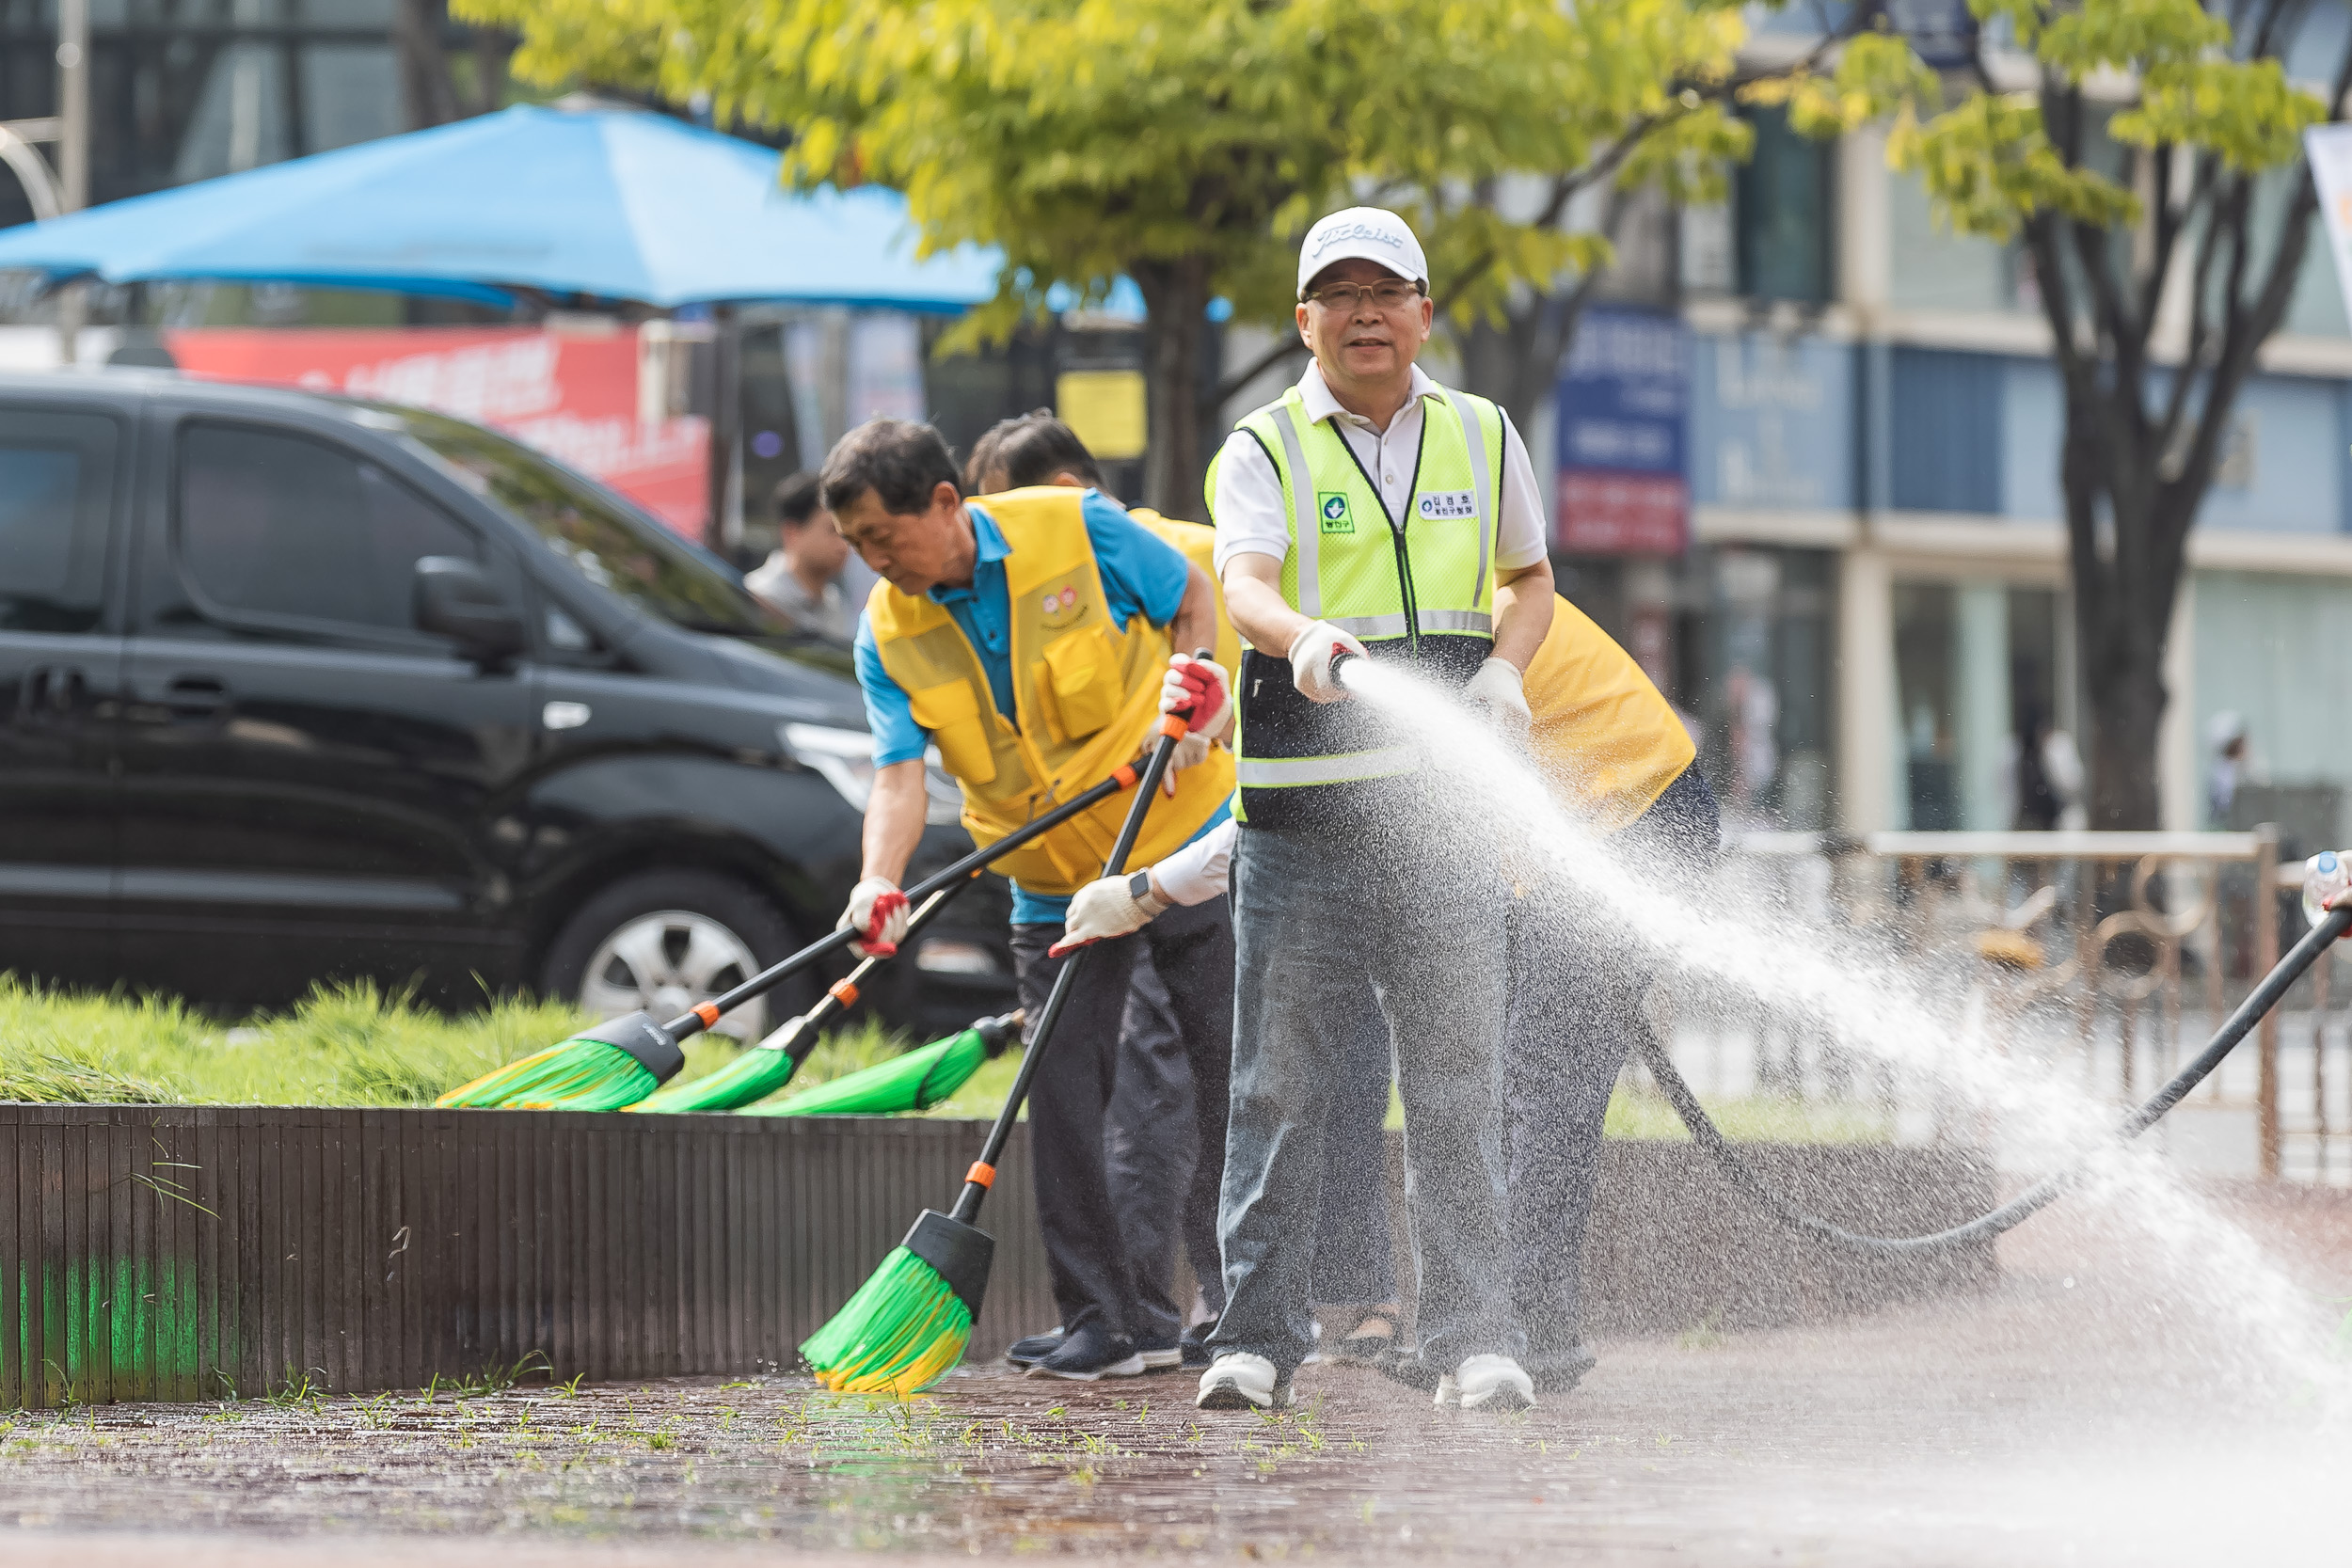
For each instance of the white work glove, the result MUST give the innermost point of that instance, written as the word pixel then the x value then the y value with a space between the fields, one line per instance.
pixel 1201 686
pixel 1498 693
pixel 1106 908
pixel 878 912
pixel 1311 660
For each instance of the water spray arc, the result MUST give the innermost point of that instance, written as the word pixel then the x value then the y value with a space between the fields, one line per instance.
pixel 2274 986
pixel 1474 749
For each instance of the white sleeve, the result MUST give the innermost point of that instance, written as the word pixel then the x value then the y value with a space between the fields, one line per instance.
pixel 1523 531
pixel 1248 506
pixel 1200 870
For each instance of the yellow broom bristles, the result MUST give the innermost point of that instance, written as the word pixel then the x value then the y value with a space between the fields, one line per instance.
pixel 903 1331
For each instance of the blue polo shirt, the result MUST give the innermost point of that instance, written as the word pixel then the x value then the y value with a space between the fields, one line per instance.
pixel 1142 575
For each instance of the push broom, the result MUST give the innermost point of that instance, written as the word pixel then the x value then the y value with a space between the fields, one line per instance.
pixel 910 1323
pixel 767 1067
pixel 915 1082
pixel 621 1060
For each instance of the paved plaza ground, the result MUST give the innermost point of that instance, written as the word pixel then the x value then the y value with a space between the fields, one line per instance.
pixel 2080 1413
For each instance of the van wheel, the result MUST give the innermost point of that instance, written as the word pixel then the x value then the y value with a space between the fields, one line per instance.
pixel 664 940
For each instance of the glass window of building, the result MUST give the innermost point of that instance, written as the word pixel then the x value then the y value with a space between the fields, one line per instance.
pixel 1781 214
pixel 1984 714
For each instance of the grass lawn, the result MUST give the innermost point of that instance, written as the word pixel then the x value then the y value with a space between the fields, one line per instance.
pixel 352 1045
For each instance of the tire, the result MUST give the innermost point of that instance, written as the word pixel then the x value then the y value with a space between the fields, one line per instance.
pixel 665 940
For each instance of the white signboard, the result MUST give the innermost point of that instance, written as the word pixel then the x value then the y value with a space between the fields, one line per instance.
pixel 2329 148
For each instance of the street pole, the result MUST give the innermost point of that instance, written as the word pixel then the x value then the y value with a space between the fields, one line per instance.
pixel 73 149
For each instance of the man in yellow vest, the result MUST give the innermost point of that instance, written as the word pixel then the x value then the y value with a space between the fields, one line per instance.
pixel 1164 1163
pixel 1027 639
pixel 1617 756
pixel 1370 512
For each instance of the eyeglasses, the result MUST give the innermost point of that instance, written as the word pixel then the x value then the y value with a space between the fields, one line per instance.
pixel 1394 295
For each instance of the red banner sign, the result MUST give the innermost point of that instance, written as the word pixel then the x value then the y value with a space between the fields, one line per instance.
pixel 573 397
pixel 1606 514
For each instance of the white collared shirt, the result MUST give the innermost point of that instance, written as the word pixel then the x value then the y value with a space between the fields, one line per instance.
pixel 1252 520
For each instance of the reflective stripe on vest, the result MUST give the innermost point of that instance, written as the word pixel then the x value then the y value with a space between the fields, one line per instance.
pixel 1387 762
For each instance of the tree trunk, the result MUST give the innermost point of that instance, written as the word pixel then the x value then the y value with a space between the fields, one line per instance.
pixel 428 93
pixel 2123 595
pixel 1175 335
pixel 1516 364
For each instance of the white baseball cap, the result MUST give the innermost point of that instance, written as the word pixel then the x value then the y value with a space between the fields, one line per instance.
pixel 1362 234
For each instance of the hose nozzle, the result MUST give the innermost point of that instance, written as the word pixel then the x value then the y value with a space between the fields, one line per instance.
pixel 1340 661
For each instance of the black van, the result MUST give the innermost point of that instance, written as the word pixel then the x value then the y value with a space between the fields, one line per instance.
pixel 295 687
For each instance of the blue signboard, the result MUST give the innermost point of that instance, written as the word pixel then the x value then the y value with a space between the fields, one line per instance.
pixel 1624 409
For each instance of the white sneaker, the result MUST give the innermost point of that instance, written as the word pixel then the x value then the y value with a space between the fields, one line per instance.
pixel 1239 1381
pixel 1487 1383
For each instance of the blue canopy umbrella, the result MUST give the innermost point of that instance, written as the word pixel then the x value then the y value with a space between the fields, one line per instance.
pixel 612 203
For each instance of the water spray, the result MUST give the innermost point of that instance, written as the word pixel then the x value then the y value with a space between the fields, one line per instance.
pixel 2329 926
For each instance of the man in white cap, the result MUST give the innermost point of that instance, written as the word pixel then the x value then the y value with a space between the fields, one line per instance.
pixel 1370 512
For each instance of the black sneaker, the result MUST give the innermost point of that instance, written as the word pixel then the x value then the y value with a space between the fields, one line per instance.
pixel 1035 1348
pixel 1090 1354
pixel 1160 1355
pixel 1193 1349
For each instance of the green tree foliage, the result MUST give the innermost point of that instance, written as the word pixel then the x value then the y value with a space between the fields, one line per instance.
pixel 1187 144
pixel 2145 154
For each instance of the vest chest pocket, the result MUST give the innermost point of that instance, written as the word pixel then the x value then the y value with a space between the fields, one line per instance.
pixel 952 713
pixel 1080 682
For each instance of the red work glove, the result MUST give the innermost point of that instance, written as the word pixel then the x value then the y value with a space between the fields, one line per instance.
pixel 1201 690
pixel 878 912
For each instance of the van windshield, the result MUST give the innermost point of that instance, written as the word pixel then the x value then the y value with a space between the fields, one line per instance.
pixel 603 538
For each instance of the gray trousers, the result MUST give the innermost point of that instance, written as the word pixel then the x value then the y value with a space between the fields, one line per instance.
pixel 1318 913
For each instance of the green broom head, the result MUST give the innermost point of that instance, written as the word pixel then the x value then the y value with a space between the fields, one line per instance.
pixel 915 1082
pixel 755 1074
pixel 608 1068
pixel 908 1325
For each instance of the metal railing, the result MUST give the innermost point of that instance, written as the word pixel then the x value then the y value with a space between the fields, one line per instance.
pixel 2123 949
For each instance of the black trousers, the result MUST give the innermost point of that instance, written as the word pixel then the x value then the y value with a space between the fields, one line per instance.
pixel 1153 1148
pixel 1100 1276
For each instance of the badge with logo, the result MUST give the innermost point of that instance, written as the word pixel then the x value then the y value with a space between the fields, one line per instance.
pixel 1334 507
pixel 1058 603
pixel 1446 504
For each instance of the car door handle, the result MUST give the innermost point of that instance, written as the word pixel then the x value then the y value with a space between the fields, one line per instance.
pixel 190 699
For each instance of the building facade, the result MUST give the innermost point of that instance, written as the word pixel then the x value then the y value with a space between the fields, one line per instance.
pixel 1873 607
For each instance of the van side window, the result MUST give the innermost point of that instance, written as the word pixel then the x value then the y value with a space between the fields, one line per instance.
pixel 276 525
pixel 56 493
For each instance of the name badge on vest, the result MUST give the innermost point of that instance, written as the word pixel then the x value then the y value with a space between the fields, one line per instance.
pixel 1444 505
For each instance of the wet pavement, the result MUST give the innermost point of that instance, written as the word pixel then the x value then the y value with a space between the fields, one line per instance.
pixel 2082 1412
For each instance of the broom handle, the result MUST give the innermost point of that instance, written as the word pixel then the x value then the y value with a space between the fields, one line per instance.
pixel 842 995
pixel 975 1186
pixel 967 869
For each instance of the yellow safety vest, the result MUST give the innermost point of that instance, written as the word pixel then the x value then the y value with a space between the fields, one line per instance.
pixel 1603 734
pixel 1417 588
pixel 1085 694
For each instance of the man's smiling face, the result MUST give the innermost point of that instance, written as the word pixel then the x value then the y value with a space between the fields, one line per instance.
pixel 1361 344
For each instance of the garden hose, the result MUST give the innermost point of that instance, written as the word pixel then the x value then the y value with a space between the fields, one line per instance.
pixel 2274 985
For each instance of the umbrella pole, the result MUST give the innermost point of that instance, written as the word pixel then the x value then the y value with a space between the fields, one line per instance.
pixel 724 528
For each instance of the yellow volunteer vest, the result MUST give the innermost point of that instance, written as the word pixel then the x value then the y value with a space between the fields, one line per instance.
pixel 1417 588
pixel 1085 694
pixel 1197 544
pixel 1603 735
